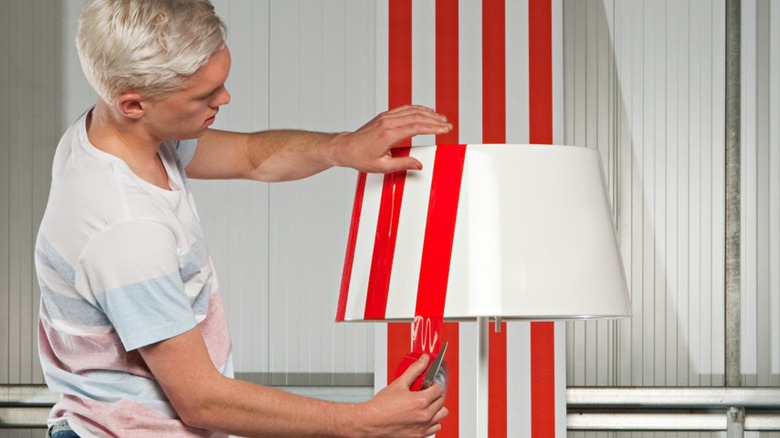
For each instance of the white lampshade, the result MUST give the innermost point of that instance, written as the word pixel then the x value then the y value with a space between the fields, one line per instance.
pixel 509 231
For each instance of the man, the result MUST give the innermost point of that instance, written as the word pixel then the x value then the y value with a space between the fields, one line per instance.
pixel 132 331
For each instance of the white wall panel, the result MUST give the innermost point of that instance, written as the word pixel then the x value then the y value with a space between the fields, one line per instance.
pixel 29 128
pixel 279 247
pixel 235 213
pixel 760 192
pixel 644 85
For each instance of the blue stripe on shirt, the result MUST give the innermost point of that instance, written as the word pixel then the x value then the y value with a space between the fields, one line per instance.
pixel 148 312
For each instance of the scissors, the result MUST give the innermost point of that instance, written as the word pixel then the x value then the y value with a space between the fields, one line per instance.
pixel 433 370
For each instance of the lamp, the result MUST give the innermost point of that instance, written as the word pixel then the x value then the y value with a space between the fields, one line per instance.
pixel 520 232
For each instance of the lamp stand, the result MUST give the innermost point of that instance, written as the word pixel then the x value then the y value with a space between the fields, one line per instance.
pixel 483 350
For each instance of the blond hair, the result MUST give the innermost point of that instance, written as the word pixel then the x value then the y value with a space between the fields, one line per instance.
pixel 146 46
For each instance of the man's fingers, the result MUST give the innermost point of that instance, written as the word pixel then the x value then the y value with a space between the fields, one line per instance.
pixel 413 372
pixel 414 111
pixel 396 164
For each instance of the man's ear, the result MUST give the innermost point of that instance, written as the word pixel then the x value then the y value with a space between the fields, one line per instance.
pixel 130 105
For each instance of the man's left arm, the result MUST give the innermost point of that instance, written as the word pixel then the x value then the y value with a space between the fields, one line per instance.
pixel 284 155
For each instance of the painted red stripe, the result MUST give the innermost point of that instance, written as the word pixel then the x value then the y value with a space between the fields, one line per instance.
pixel 450 427
pixel 493 71
pixel 399 335
pixel 440 230
pixel 543 379
pixel 541 131
pixel 447 73
pixel 494 131
pixel 400 54
pixel 385 240
pixel 357 207
pixel 497 387
pixel 448 103
pixel 399 93
pixel 540 71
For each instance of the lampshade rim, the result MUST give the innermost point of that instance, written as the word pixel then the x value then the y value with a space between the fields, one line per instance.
pixel 529 318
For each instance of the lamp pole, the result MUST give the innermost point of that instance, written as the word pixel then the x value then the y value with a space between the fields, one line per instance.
pixel 483 354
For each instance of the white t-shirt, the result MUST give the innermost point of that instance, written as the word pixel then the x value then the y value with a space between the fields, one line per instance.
pixel 121 264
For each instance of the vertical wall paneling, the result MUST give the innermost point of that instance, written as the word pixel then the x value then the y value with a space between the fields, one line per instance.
pixel 774 185
pixel 644 85
pixel 760 194
pixel 351 346
pixel 748 174
pixel 20 219
pixel 235 213
pixel 29 129
pixel 5 193
pixel 310 217
pixel 278 248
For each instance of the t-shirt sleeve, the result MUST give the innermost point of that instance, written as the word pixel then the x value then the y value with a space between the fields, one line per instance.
pixel 185 149
pixel 132 270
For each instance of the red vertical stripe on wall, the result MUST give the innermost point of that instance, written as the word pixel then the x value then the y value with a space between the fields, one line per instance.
pixel 540 74
pixel 400 54
pixel 494 131
pixel 493 71
pixel 497 387
pixel 450 427
pixel 399 93
pixel 543 379
pixel 448 103
pixel 447 76
pixel 399 335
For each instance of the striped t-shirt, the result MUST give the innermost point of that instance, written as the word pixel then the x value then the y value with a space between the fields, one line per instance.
pixel 121 264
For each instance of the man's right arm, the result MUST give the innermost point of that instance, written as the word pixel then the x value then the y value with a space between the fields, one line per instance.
pixel 206 399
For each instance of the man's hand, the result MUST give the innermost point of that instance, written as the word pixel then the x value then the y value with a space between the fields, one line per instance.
pixel 369 148
pixel 397 411
pixel 285 155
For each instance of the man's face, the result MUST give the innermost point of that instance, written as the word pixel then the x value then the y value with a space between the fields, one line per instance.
pixel 188 112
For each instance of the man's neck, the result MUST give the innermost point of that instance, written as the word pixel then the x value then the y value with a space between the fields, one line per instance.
pixel 126 139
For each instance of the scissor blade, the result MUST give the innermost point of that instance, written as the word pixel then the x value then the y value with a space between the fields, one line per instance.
pixel 433 370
